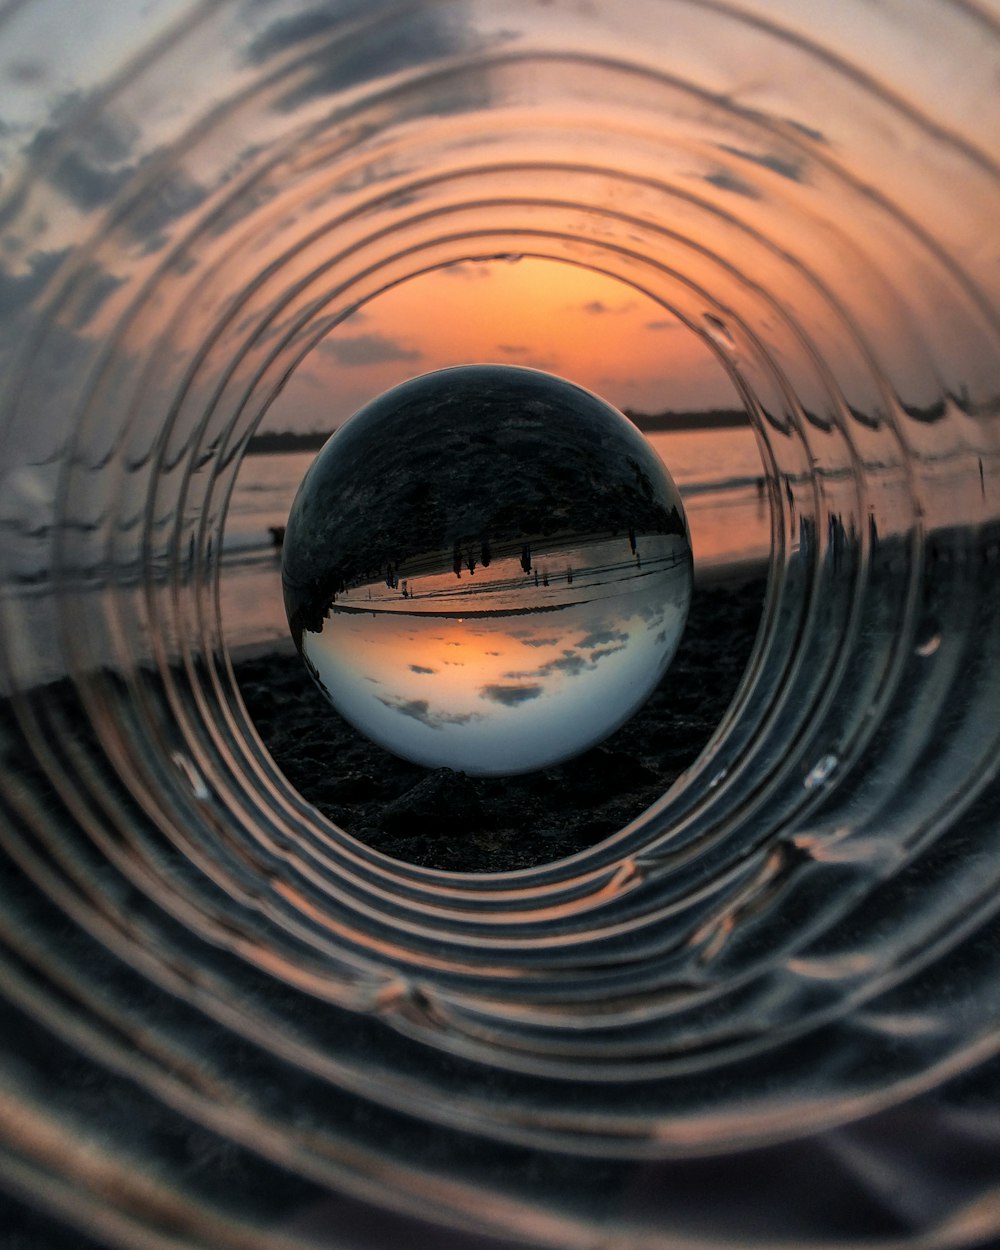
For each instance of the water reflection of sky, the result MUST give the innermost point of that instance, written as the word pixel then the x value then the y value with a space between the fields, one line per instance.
pixel 502 693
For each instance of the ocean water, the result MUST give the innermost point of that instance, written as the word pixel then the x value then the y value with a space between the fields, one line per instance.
pixel 718 472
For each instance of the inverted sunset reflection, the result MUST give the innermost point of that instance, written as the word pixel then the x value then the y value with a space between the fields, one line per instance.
pixel 508 668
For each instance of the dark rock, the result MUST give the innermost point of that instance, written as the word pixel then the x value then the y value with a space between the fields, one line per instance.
pixel 445 802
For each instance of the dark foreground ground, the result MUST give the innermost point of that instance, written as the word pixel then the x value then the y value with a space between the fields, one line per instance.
pixel 443 819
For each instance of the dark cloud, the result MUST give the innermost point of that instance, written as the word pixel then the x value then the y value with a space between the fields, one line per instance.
pixel 513 349
pixel 367 349
pixel 18 291
pixel 86 184
pixel 291 32
pixel 419 668
pixel 729 182
pixel 540 642
pixel 777 164
pixel 510 696
pixel 98 164
pixel 598 308
pixel 161 204
pixel 469 272
pixel 808 131
pixel 331 65
pixel 653 618
pixel 603 651
pixel 600 637
pixel 91 289
pixel 663 325
pixel 570 663
pixel 420 710
pixel 103 160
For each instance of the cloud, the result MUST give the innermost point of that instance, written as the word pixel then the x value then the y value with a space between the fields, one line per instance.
pixel 95 169
pixel 600 654
pixel 175 197
pixel 600 637
pixel 538 642
pixel 367 349
pixel 513 349
pixel 420 710
pixel 470 272
pixel 510 696
pixel 86 184
pixel 570 663
pixel 663 325
pixel 808 131
pixel 101 164
pixel 93 286
pixel 289 32
pixel 17 291
pixel 598 308
pixel 376 50
pixel 419 668
pixel 729 182
pixel 777 164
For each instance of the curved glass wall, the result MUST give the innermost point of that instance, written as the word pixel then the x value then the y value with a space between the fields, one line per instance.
pixel 764 1010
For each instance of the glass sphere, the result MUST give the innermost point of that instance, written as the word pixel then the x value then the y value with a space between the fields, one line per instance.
pixel 488 569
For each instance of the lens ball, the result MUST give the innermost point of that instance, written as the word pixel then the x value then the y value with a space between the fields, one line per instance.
pixel 487 568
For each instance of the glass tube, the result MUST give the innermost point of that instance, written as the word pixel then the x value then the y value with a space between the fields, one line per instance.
pixel 768 1008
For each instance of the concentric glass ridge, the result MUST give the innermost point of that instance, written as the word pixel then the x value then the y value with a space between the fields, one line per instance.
pixel 766 1010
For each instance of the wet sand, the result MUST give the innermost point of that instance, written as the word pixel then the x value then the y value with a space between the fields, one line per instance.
pixel 443 819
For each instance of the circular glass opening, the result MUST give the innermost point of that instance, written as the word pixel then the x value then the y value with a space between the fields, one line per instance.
pixel 671 382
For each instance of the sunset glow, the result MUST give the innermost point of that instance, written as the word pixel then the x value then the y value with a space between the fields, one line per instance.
pixel 565 319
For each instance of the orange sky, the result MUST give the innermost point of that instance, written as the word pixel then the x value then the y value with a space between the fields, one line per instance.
pixel 548 315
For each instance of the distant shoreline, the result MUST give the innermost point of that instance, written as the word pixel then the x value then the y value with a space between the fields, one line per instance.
pixel 280 441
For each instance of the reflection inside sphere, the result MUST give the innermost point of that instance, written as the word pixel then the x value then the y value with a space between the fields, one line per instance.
pixel 487 569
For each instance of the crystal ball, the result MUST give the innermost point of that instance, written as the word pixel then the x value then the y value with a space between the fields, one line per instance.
pixel 487 568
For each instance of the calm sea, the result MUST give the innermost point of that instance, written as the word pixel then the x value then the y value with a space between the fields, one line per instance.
pixel 718 472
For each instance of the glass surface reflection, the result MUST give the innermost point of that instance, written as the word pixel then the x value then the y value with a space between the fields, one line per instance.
pixel 487 569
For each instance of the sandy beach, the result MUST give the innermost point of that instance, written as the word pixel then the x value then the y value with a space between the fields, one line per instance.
pixel 444 819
